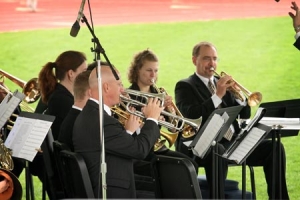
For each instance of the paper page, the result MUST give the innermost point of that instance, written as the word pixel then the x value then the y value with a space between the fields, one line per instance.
pixel 27 136
pixel 246 145
pixel 208 136
pixel 281 123
pixel 8 106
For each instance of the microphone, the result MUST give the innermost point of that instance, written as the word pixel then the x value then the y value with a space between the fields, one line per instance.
pixel 76 26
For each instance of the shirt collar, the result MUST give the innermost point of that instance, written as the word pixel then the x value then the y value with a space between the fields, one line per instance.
pixel 205 80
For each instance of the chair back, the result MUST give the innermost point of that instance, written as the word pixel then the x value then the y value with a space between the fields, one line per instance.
pixel 53 185
pixel 76 175
pixel 57 148
pixel 176 178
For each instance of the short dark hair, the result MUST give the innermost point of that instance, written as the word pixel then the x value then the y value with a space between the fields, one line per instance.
pixel 81 84
pixel 198 46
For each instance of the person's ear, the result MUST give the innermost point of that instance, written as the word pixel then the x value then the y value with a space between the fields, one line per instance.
pixel 70 74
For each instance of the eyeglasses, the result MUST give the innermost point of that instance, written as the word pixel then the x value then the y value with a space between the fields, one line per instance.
pixel 210 59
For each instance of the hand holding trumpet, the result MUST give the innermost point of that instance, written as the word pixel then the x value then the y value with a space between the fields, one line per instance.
pixel 224 83
pixel 153 108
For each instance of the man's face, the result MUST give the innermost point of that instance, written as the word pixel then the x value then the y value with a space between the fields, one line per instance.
pixel 206 59
pixel 116 90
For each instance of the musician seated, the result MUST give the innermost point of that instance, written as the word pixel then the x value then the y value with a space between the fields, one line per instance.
pixel 142 75
pixel 202 93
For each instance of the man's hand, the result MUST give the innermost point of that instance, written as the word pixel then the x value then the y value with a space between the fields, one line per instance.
pixel 223 84
pixel 152 109
pixel 295 17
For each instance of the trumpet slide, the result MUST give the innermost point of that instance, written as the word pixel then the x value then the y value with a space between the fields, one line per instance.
pixel 254 98
pixel 188 130
pixel 181 120
pixel 124 115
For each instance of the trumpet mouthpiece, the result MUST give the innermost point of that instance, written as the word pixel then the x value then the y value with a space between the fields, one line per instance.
pixel 212 69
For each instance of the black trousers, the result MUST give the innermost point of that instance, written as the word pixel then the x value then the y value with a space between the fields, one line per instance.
pixel 261 156
pixel 207 163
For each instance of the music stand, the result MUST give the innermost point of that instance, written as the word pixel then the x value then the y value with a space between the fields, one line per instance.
pixel 213 138
pixel 283 109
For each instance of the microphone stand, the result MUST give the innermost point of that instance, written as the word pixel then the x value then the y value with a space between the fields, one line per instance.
pixel 99 50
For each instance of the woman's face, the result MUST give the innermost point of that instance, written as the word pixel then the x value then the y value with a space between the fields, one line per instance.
pixel 148 73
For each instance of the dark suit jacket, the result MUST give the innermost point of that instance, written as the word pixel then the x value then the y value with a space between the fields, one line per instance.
pixel 66 128
pixel 193 99
pixel 59 104
pixel 120 147
pixel 297 43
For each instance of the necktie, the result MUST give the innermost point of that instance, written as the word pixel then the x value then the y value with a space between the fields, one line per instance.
pixel 211 87
pixel 228 135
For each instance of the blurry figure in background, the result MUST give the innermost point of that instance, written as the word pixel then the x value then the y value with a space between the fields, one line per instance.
pixel 32 5
pixel 296 23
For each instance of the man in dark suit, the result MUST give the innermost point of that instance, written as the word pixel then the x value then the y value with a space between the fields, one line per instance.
pixel 120 147
pixel 81 95
pixel 296 23
pixel 195 97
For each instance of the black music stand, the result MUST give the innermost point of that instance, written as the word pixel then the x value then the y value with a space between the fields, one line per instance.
pixel 232 113
pixel 282 109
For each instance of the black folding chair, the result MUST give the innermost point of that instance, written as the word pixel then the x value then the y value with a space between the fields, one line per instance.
pixel 57 148
pixel 52 183
pixel 176 178
pixel 76 177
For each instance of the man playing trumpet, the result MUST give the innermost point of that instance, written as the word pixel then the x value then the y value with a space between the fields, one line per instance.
pixel 202 93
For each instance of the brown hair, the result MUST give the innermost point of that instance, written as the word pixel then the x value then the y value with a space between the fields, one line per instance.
pixel 137 63
pixel 68 60
pixel 81 84
pixel 197 47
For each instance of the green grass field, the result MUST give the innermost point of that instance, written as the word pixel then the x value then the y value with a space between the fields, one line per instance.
pixel 258 53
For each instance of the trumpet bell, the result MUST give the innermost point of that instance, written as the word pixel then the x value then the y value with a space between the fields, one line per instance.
pixel 254 99
pixel 31 91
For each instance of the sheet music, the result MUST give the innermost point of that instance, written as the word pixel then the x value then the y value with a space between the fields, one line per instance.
pixel 208 136
pixel 27 136
pixel 281 123
pixel 8 106
pixel 247 144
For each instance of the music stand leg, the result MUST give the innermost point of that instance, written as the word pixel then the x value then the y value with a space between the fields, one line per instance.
pixel 274 164
pixel 279 162
pixel 213 172
pixel 244 180
pixel 29 183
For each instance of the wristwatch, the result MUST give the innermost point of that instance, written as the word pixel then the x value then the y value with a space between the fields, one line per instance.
pixel 297 28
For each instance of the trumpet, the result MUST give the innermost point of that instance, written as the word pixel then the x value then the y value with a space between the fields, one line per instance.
pixel 254 98
pixel 30 88
pixel 190 126
pixel 124 115
pixel 181 120
pixel 145 96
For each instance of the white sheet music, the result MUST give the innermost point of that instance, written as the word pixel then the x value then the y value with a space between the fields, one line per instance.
pixel 281 123
pixel 208 136
pixel 246 145
pixel 27 136
pixel 8 106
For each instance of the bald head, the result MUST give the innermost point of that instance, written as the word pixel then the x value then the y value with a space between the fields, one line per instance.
pixel 111 88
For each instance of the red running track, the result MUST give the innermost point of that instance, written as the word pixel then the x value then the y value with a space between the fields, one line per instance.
pixel 15 16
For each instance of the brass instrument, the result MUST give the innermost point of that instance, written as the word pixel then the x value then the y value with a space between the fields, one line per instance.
pixel 124 115
pixel 30 88
pixel 181 120
pixel 188 130
pixel 14 189
pixel 145 96
pixel 254 98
